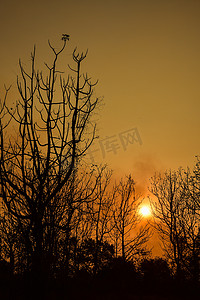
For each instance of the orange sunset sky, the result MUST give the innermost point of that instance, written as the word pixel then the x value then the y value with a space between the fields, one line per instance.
pixel 146 56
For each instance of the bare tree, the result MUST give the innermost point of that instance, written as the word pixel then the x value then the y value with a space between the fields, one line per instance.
pixel 89 217
pixel 190 219
pixel 73 220
pixel 52 121
pixel 166 208
pixel 177 219
pixel 101 211
pixel 129 236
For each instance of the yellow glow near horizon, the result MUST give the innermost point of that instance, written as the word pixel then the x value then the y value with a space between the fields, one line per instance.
pixel 145 211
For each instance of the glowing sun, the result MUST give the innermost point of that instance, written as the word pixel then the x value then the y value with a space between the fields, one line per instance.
pixel 145 211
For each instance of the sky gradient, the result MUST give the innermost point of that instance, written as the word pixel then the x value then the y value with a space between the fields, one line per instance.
pixel 146 56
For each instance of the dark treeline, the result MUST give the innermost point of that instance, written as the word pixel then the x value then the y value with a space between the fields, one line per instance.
pixel 66 227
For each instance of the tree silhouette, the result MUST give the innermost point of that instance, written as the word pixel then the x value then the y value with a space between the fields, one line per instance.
pixel 130 239
pixel 52 121
pixel 101 213
pixel 88 255
pixel 75 211
pixel 166 210
pixel 177 220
